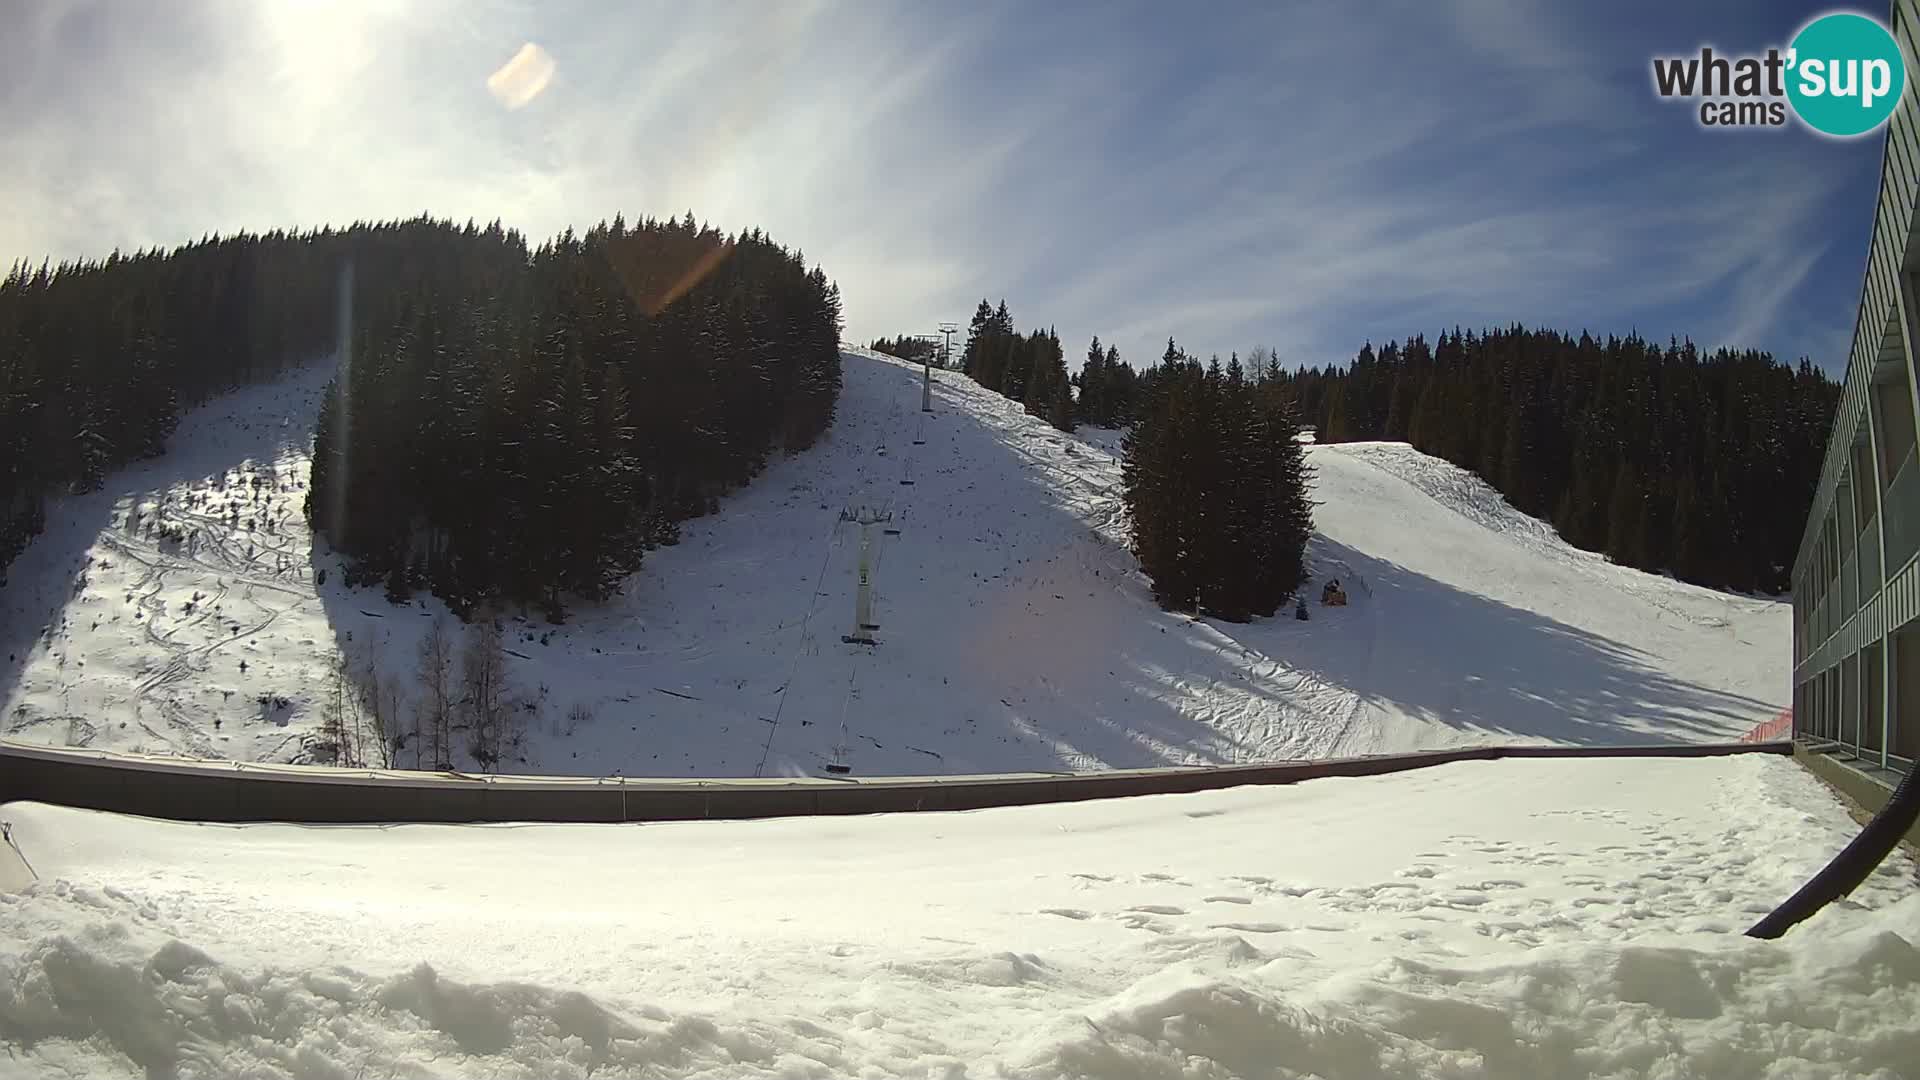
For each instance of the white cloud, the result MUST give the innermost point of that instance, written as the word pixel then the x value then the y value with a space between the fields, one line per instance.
pixel 1298 177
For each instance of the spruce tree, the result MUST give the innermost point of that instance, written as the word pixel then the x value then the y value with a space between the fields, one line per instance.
pixel 1093 383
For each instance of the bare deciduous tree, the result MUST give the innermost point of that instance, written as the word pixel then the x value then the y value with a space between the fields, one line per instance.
pixel 340 713
pixel 435 710
pixel 484 672
pixel 379 711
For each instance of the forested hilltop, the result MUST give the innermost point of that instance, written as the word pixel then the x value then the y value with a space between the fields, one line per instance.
pixel 1665 458
pixel 508 424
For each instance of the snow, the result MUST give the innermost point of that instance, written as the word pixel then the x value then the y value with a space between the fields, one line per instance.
pixel 1016 632
pixel 1476 620
pixel 1561 918
pixel 121 641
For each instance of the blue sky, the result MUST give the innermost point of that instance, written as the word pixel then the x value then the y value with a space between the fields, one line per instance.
pixel 1305 176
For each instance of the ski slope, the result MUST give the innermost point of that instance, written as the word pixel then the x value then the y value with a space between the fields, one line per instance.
pixel 1475 622
pixel 119 639
pixel 1015 631
pixel 1584 923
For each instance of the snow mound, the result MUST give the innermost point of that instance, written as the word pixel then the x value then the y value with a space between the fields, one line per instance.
pixel 1585 923
pixel 1459 490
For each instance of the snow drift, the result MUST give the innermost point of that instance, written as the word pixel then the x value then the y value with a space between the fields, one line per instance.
pixel 1516 919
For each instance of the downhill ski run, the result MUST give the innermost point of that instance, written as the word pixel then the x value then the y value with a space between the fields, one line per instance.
pixel 181 610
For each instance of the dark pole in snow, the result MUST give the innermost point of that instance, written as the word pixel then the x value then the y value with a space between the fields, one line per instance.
pixel 946 358
pixel 1855 861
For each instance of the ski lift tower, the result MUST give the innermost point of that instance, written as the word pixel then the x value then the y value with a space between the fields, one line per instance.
pixel 947 330
pixel 863 624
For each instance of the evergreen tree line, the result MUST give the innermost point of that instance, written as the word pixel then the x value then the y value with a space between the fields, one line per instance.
pixel 520 427
pixel 1109 389
pixel 1215 484
pixel 909 347
pixel 1664 458
pixel 1028 368
pixel 508 424
pixel 99 357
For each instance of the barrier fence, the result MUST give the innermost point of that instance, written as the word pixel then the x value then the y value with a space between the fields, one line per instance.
pixel 1780 727
pixel 190 790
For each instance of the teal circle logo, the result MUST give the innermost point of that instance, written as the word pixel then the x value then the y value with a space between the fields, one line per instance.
pixel 1845 74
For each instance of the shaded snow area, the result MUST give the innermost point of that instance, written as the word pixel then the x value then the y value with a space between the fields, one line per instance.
pixel 1015 630
pixel 1520 919
pixel 1478 623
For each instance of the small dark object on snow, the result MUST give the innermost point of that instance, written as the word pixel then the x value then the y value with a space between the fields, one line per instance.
pixel 839 768
pixel 1300 610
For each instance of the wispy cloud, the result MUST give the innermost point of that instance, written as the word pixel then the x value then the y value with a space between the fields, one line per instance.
pixel 1305 176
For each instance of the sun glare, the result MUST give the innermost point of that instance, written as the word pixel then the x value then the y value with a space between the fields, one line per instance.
pixel 521 79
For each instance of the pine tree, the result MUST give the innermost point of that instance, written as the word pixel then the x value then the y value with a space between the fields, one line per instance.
pixel 1156 483
pixel 1215 486
pixel 1624 542
pixel 1233 499
pixel 1120 400
pixel 1093 381
pixel 980 326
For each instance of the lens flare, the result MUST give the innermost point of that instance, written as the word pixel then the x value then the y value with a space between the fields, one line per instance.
pixel 521 79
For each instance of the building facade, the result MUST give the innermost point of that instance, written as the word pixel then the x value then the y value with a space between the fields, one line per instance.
pixel 1856 581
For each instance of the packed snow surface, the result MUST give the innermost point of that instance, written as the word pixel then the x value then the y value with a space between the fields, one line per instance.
pixel 1523 919
pixel 1015 630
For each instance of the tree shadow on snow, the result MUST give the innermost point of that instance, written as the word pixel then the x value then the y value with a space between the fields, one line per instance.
pixel 1044 646
pixel 1080 684
pixel 1487 669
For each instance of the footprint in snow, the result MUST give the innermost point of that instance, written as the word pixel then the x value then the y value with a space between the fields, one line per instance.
pixel 1075 914
pixel 1252 927
pixel 1159 909
pixel 1228 900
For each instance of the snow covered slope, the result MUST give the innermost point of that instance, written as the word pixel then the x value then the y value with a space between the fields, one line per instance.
pixel 1585 923
pixel 1475 621
pixel 119 636
pixel 1015 630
